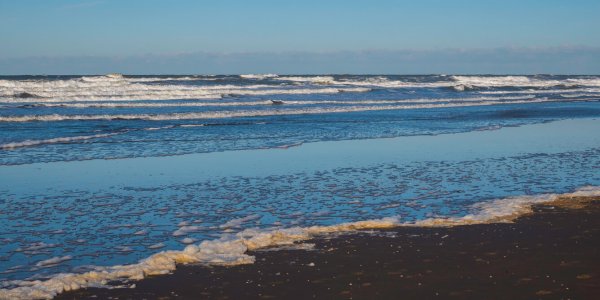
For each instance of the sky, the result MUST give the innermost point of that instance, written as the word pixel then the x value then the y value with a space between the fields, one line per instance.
pixel 326 36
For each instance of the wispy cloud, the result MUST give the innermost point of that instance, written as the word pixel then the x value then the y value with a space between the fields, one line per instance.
pixel 554 60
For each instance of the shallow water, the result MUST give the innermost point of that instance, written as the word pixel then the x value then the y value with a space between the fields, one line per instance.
pixel 65 206
pixel 74 118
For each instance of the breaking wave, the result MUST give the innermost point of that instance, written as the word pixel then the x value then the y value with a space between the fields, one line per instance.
pixel 458 83
pixel 523 81
pixel 258 76
pixel 121 104
pixel 118 87
pixel 59 140
pixel 308 79
pixel 108 88
pixel 256 113
pixel 116 77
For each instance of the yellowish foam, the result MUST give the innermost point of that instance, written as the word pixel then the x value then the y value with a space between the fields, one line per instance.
pixel 232 249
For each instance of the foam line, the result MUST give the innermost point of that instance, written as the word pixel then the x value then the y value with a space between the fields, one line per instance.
pixel 252 113
pixel 258 76
pixel 31 143
pixel 545 91
pixel 523 81
pixel 459 83
pixel 105 88
pixel 267 102
pixel 117 87
pixel 232 249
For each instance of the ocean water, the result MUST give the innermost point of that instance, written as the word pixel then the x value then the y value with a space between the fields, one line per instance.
pixel 105 171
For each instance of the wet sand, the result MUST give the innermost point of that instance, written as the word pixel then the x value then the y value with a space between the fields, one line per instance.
pixel 550 254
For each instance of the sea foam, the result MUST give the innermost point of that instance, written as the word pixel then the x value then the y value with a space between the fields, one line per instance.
pixel 107 88
pixel 158 104
pixel 30 143
pixel 231 249
pixel 259 113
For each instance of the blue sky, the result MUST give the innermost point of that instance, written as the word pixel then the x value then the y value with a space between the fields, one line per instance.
pixel 87 36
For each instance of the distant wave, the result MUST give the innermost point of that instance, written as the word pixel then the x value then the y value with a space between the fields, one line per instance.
pixel 373 82
pixel 232 249
pixel 551 90
pixel 579 95
pixel 115 77
pixel 258 76
pixel 106 104
pixel 458 83
pixel 524 81
pixel 72 139
pixel 253 113
pixel 462 88
pixel 309 79
pixel 117 89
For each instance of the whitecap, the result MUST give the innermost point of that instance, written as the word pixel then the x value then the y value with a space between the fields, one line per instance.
pixel 258 113
pixel 58 140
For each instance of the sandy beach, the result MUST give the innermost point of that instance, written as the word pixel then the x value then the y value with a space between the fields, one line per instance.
pixel 550 254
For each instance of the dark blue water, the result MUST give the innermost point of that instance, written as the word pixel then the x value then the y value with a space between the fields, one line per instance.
pixel 64 118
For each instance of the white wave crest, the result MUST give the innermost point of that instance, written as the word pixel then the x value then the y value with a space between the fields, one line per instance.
pixel 118 87
pixel 458 83
pixel 106 104
pixel 106 88
pixel 257 113
pixel 579 95
pixel 523 81
pixel 382 82
pixel 373 82
pixel 31 143
pixel 308 79
pixel 544 91
pixel 231 249
pixel 258 76
pixel 114 77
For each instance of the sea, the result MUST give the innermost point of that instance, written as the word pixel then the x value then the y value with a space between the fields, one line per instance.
pixel 107 179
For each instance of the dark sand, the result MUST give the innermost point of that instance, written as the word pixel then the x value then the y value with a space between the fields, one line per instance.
pixel 551 254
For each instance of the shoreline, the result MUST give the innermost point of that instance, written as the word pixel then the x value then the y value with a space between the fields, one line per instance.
pixel 548 253
pixel 481 145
